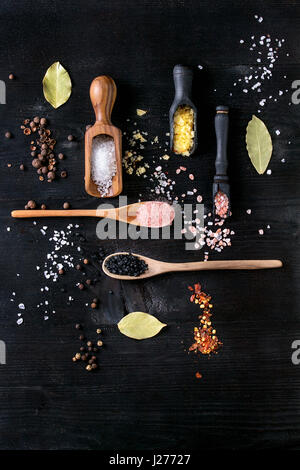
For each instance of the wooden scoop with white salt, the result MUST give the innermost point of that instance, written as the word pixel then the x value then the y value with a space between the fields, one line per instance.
pixel 103 143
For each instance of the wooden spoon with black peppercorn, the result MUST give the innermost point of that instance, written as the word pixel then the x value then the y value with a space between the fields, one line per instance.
pixel 155 267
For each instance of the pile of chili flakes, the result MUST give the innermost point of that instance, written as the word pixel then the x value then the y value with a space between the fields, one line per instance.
pixel 206 340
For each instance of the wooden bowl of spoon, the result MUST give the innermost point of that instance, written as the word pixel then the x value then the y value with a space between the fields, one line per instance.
pixel 103 92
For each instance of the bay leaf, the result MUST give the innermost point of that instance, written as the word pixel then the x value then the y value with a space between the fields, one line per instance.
pixel 259 144
pixel 57 85
pixel 140 325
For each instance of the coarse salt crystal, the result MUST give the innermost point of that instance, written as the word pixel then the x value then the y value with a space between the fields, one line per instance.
pixel 103 161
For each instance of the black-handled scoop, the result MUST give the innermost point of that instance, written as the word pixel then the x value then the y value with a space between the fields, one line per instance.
pixel 183 79
pixel 221 189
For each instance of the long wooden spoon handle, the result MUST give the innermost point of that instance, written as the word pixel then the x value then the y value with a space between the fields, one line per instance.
pixel 230 264
pixel 56 213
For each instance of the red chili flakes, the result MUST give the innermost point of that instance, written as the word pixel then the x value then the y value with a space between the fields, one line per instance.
pixel 198 375
pixel 221 204
pixel 206 340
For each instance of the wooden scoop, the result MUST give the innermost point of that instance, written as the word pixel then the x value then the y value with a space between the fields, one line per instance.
pixel 156 267
pixel 103 93
pixel 127 214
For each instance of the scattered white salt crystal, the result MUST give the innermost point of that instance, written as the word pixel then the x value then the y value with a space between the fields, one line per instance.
pixel 200 67
pixel 269 172
pixel 268 226
pixel 283 160
pixel 21 306
pixel 261 232
pixel 103 161
pixel 8 229
pixel 277 132
pixel 242 41
pixel 249 211
pixel 20 321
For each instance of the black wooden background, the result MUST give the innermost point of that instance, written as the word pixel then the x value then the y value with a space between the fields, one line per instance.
pixel 145 394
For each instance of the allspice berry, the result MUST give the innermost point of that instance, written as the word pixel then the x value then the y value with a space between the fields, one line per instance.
pixel 31 204
pixel 51 175
pixel 36 163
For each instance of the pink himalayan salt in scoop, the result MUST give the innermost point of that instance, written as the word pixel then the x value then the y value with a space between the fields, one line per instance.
pixel 155 214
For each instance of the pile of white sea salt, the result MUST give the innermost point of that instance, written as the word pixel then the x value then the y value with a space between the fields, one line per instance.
pixel 103 162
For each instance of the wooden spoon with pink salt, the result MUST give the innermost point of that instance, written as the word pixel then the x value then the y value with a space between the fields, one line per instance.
pixel 144 214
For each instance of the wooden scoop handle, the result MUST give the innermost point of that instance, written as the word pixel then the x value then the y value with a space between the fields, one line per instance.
pixel 103 92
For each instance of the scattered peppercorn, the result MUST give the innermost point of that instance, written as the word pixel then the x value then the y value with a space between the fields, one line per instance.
pixel 8 135
pixel 99 343
pixel 86 261
pixel 82 337
pixel 66 205
pixel 98 331
pixel 81 286
pixel 78 326
pixel 11 76
pixel 93 305
pixel 22 167
pixel 31 204
pixel 43 121
pixel 78 267
pixel 43 207
pixel 70 138
pixel 89 367
pixel 63 174
pixel 78 356
pixel 88 282
pixel 61 271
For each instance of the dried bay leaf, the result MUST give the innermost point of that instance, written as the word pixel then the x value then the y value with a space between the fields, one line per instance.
pixel 259 144
pixel 140 325
pixel 57 85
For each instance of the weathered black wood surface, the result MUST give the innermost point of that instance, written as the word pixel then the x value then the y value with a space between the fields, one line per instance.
pixel 145 396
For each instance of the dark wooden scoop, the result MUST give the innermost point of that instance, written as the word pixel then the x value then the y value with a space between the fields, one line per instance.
pixel 183 80
pixel 103 93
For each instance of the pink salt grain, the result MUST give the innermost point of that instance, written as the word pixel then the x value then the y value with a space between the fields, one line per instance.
pixel 155 214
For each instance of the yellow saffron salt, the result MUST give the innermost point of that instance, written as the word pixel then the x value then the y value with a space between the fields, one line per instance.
pixel 183 130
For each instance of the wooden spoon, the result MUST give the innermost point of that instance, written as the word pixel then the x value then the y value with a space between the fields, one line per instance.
pixel 103 93
pixel 156 267
pixel 127 214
